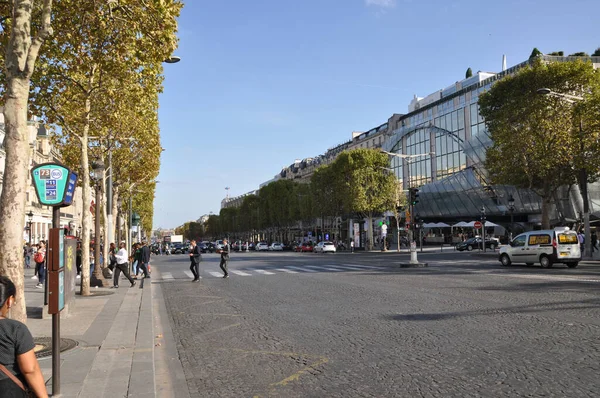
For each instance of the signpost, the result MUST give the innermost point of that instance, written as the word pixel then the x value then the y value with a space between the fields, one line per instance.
pixel 477 225
pixel 55 186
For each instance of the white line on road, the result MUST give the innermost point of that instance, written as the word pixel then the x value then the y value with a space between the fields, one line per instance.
pixel 242 273
pixel 286 270
pixel 216 274
pixel 190 274
pixel 547 277
pixel 166 275
pixel 322 268
pixel 262 271
pixel 301 269
pixel 364 266
pixel 345 267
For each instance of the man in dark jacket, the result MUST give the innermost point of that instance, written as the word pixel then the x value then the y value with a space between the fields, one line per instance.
pixel 224 258
pixel 195 258
pixel 145 259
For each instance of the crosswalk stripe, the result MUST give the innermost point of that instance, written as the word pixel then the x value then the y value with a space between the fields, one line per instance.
pixel 301 269
pixel 217 274
pixel 289 271
pixel 346 267
pixel 323 268
pixel 167 275
pixel 190 274
pixel 242 273
pixel 362 266
pixel 262 271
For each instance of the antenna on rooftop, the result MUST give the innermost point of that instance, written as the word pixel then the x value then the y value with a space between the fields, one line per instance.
pixel 227 189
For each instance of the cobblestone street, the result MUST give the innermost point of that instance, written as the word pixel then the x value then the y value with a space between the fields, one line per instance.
pixel 351 326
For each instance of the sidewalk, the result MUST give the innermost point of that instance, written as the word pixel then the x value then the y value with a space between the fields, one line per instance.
pixel 115 333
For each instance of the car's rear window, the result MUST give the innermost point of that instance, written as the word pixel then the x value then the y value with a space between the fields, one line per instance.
pixel 568 239
pixel 539 240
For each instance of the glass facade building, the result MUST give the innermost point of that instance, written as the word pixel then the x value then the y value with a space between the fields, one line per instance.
pixel 443 141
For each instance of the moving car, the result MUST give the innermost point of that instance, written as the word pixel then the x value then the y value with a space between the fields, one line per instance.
pixel 475 243
pixel 275 246
pixel 178 248
pixel 305 247
pixel 545 247
pixel 325 247
pixel 262 246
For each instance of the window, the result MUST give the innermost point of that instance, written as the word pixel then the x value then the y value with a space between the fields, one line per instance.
pixel 539 240
pixel 519 241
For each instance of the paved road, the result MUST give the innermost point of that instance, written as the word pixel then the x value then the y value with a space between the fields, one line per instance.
pixel 309 325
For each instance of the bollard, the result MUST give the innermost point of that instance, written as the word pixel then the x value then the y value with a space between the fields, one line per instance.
pixel 413 253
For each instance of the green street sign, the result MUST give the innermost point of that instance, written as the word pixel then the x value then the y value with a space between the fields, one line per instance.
pixel 54 184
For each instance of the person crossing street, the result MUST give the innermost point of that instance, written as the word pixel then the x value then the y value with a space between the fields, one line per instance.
pixel 224 258
pixel 195 257
pixel 122 265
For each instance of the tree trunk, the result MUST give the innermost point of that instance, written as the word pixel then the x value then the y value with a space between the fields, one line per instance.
pixel 12 200
pixel 105 218
pixel 87 200
pixel 370 231
pixel 546 202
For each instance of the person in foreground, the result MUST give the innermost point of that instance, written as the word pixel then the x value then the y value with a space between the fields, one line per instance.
pixel 195 258
pixel 224 258
pixel 19 368
pixel 121 258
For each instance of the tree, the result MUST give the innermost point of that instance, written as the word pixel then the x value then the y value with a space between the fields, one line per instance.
pixel 400 205
pixel 361 185
pixel 469 73
pixel 557 53
pixel 537 141
pixel 596 53
pixel 101 50
pixel 535 53
pixel 579 54
pixel 21 53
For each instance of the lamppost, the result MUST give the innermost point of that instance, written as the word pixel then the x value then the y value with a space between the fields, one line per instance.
pixel 29 222
pixel 511 209
pixel 483 227
pixel 119 212
pixel 583 175
pixel 97 174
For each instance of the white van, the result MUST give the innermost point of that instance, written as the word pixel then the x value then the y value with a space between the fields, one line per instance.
pixel 546 247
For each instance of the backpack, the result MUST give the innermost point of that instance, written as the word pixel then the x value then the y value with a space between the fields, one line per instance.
pixel 38 257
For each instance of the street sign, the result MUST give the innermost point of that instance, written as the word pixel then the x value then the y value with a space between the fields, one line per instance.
pixel 477 225
pixel 54 184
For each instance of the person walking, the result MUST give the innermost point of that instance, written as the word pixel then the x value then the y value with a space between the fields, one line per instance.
pixel 18 365
pixel 40 264
pixel 195 258
pixel 144 259
pixel 121 258
pixel 594 241
pixel 224 258
pixel 78 259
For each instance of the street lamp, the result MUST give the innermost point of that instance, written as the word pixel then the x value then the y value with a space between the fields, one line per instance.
pixel 97 175
pixel 29 222
pixel 511 209
pixel 173 59
pixel 119 212
pixel 583 175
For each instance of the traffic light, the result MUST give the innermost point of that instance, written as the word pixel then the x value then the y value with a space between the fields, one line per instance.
pixel 414 196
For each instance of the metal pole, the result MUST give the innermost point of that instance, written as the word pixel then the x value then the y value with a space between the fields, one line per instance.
pixel 97 270
pixel 109 198
pixel 512 224
pixel 129 233
pixel 55 326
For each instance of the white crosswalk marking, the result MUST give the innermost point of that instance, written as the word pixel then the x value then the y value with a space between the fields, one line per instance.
pixel 242 273
pixel 262 271
pixel 216 274
pixel 346 267
pixel 289 271
pixel 190 274
pixel 362 266
pixel 301 269
pixel 167 276
pixel 323 268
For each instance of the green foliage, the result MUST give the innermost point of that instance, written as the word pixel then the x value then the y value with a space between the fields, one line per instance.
pixel 579 54
pixel 535 52
pixel 557 53
pixel 536 138
pixel 596 53
pixel 469 73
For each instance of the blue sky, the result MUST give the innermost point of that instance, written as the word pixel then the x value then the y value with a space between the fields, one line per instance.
pixel 262 83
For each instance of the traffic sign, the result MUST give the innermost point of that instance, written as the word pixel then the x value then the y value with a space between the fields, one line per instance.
pixel 477 225
pixel 54 184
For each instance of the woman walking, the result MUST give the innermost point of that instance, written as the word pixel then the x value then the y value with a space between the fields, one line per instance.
pixel 19 367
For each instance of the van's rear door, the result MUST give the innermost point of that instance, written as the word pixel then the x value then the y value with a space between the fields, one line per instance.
pixel 567 246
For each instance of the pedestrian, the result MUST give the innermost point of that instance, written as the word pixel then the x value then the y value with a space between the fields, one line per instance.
pixel 352 246
pixel 134 259
pixel 40 264
pixel 594 241
pixel 224 258
pixel 121 258
pixel 144 259
pixel 78 259
pixel 581 239
pixel 19 368
pixel 195 258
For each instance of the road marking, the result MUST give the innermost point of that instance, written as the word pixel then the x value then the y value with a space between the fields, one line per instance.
pixel 190 274
pixel 320 267
pixel 346 267
pixel 242 273
pixel 167 275
pixel 547 277
pixel 286 270
pixel 216 274
pixel 301 269
pixel 364 266
pixel 262 271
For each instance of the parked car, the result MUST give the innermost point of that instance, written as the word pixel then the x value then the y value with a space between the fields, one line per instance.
pixel 203 247
pixel 545 247
pixel 218 245
pixel 475 243
pixel 275 246
pixel 306 247
pixel 178 248
pixel 262 246
pixel 325 247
